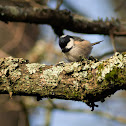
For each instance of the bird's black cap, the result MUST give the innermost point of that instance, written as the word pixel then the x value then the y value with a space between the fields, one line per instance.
pixel 63 40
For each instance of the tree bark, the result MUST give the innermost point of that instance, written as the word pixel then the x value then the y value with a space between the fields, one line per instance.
pixel 88 81
pixel 58 19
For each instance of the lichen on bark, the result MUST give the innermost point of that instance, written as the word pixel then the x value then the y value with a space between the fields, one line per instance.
pixel 88 81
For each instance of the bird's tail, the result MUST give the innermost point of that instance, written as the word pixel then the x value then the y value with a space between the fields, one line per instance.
pixel 96 42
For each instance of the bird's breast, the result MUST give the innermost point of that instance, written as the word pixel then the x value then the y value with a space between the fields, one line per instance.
pixel 76 53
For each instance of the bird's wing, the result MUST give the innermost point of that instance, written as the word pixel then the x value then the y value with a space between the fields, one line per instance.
pixel 83 44
pixel 77 38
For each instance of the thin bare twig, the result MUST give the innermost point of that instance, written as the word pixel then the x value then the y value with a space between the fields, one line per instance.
pixel 48 117
pixel 109 53
pixel 59 2
pixel 25 112
pixel 64 107
pixel 120 5
pixel 113 42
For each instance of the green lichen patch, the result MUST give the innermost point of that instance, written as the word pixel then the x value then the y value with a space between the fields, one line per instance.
pixel 112 75
pixel 14 11
pixel 10 61
pixel 124 54
pixel 71 67
pixel 34 67
pixel 11 68
pixel 51 76
pixel 83 74
pixel 117 61
pixel 115 78
pixel 89 65
pixel 23 61
pixel 100 67
pixel 95 65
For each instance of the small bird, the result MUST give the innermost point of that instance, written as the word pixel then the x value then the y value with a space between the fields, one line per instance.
pixel 75 48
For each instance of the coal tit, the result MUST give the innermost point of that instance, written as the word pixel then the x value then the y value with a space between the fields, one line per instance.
pixel 75 48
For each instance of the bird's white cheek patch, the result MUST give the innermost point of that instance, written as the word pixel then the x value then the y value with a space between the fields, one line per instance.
pixel 70 44
pixel 63 36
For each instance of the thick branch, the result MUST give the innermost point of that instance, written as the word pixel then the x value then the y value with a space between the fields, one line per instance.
pixel 58 19
pixel 87 81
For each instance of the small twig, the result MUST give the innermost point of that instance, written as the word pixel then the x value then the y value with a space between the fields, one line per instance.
pixel 25 110
pixel 48 117
pixel 109 53
pixel 63 107
pixel 59 2
pixel 113 42
pixel 52 103
pixel 120 33
pixel 120 5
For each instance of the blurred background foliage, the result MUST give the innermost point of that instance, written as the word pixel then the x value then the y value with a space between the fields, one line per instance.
pixel 39 43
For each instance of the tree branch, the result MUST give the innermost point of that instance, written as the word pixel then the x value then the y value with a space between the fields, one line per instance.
pixel 59 19
pixel 87 81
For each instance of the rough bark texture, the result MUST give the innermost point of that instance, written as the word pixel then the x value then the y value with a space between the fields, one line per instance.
pixel 87 81
pixel 58 19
